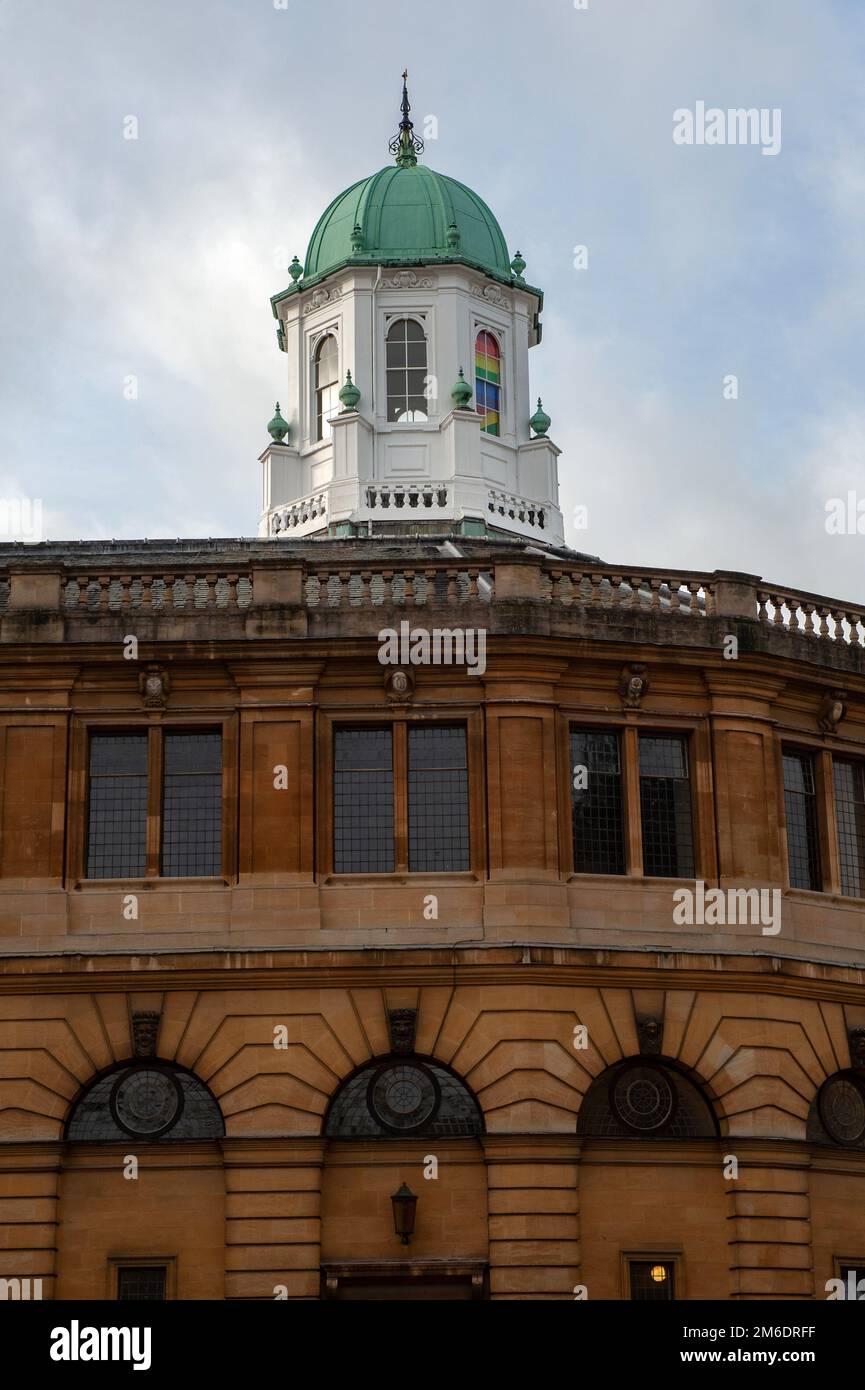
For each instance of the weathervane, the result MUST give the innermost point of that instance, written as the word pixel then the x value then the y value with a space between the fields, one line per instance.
pixel 406 146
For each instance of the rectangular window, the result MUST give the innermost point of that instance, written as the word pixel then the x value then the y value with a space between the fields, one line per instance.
pixel 652 1281
pixel 596 790
pixel 800 805
pixel 192 805
pixel 850 821
pixel 401 800
pixel 117 812
pixel 665 808
pixel 363 841
pixel 167 780
pixel 438 800
pixel 141 1283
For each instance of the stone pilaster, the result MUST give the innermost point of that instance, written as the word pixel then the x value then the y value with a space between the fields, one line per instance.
pixel 533 1215
pixel 272 1217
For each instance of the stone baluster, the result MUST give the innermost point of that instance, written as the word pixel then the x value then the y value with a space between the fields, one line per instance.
pixel 808 610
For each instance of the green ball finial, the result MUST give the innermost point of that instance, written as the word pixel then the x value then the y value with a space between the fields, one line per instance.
pixel 349 395
pixel 540 421
pixel 278 429
pixel 518 265
pixel 295 270
pixel 461 393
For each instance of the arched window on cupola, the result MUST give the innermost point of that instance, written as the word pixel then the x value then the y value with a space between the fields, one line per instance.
pixel 488 381
pixel 326 385
pixel 406 365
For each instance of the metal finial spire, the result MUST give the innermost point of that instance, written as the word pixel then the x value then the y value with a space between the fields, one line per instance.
pixel 406 146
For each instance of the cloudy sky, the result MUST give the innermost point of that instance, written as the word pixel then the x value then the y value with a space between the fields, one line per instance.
pixel 155 258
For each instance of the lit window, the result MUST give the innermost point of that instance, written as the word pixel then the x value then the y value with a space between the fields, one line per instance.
pixel 326 385
pixel 665 808
pixel 488 381
pixel 800 805
pixel 652 1281
pixel 406 366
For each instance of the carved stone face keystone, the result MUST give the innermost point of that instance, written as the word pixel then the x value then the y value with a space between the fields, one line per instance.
pixel 154 684
pixel 399 685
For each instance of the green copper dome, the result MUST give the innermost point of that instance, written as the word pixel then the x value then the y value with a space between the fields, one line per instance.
pixel 406 214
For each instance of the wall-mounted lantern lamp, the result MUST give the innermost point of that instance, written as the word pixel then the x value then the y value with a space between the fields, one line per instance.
pixel 404 1208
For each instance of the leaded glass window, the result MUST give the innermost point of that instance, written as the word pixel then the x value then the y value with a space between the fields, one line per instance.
pixel 641 1098
pixel 850 820
pixel 141 1283
pixel 403 1096
pixel 800 805
pixel 148 1101
pixel 488 382
pixel 192 805
pixel 363 840
pixel 596 790
pixel 126 794
pixel 665 808
pixel 652 1281
pixel 117 809
pixel 438 799
pixel 401 799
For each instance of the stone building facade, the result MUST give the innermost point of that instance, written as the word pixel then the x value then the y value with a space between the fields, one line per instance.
pixel 567 941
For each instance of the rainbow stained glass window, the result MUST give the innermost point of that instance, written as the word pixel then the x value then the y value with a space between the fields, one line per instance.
pixel 488 381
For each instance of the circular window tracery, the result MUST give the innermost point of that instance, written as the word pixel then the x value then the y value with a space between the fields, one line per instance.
pixel 403 1096
pixel 643 1098
pixel 842 1109
pixel 146 1101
